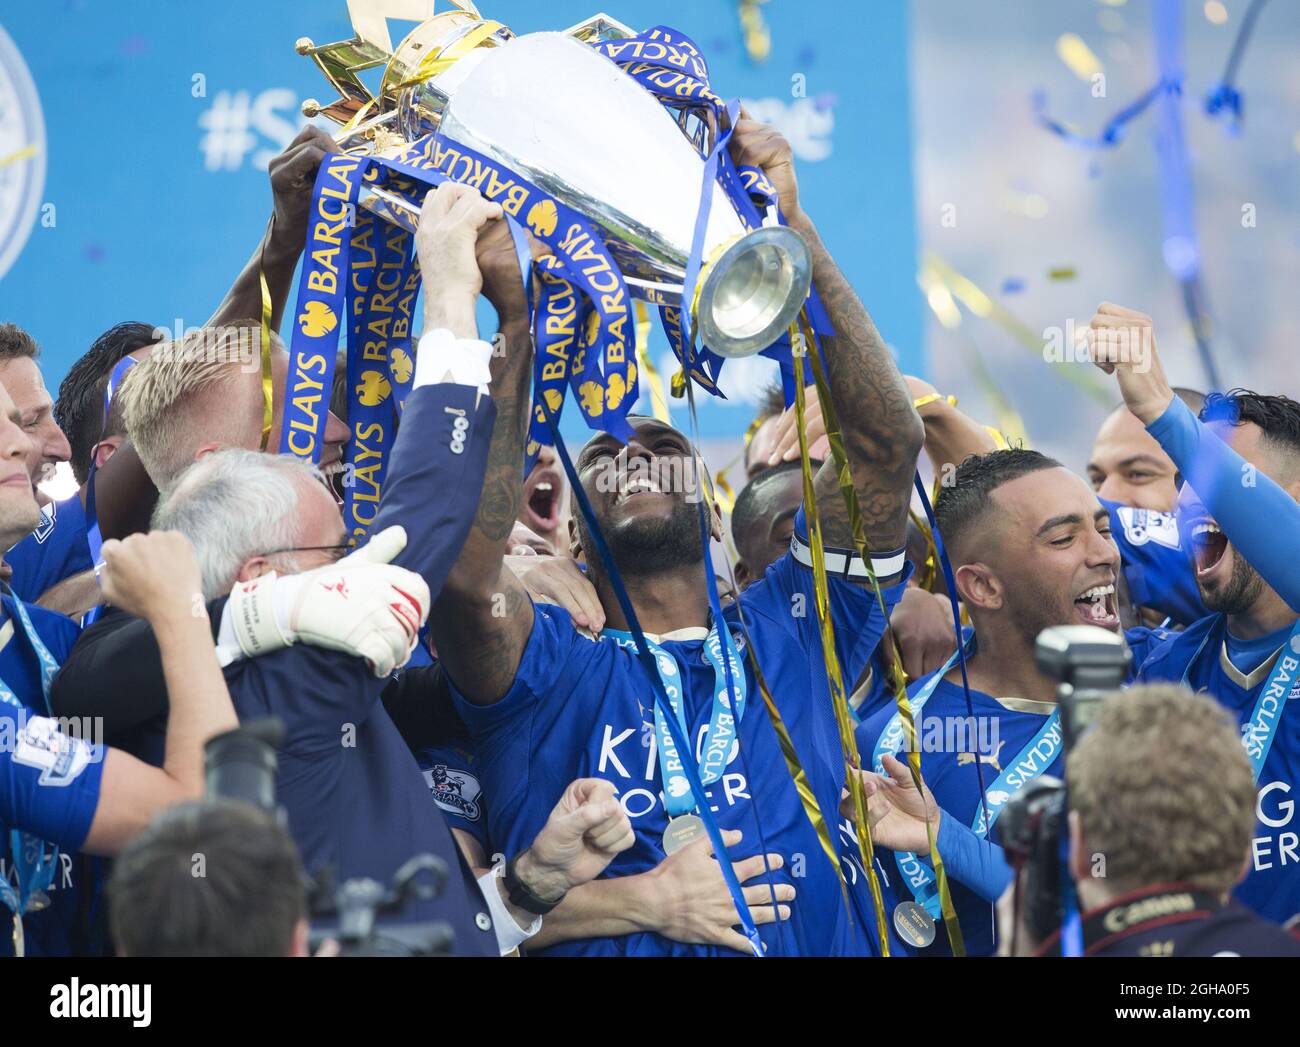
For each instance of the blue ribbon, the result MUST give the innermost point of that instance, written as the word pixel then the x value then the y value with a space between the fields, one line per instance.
pixel 647 662
pixel 321 308
pixel 33 866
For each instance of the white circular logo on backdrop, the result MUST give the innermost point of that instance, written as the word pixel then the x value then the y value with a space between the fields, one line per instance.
pixel 22 152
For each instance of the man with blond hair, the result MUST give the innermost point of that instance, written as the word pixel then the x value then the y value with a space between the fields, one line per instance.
pixel 204 393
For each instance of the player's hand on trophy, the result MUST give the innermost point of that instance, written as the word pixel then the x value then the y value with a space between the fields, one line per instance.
pixel 760 145
pixel 503 282
pixel 293 175
pixel 446 240
pixel 896 811
pixel 1123 343
pixel 688 900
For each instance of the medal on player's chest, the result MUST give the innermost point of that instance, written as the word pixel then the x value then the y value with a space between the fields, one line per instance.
pixel 913 924
pixel 681 831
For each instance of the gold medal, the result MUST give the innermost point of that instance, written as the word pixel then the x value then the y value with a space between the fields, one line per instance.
pixel 681 831
pixel 913 924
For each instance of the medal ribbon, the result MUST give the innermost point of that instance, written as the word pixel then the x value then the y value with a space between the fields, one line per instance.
pixel 33 866
pixel 724 721
pixel 1260 732
pixel 647 662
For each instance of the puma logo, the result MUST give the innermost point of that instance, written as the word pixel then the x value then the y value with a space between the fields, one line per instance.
pixel 992 759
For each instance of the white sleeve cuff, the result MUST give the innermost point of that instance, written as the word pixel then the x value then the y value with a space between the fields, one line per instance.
pixel 228 650
pixel 509 934
pixel 442 357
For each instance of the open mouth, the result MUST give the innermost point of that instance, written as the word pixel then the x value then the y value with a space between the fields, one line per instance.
pixel 333 474
pixel 1097 606
pixel 544 503
pixel 1209 545
pixel 636 487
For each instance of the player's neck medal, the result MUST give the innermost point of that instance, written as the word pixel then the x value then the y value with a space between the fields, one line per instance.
pixel 681 831
pixel 913 924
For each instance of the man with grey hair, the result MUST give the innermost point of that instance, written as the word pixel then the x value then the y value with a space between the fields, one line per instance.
pixel 269 528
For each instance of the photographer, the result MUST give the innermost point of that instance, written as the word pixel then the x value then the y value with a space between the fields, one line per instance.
pixel 1162 808
pixel 216 878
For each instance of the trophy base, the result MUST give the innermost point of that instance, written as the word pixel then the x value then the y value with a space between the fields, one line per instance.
pixel 751 293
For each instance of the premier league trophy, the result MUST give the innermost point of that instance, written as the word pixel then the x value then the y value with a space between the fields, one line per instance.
pixel 554 109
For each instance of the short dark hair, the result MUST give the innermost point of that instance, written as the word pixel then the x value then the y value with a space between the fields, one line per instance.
pixel 245 900
pixel 79 407
pixel 747 510
pixel 962 503
pixel 16 343
pixel 1277 416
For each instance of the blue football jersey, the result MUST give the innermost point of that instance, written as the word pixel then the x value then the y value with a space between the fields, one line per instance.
pixel 56 550
pixel 451 772
pixel 1195 657
pixel 49 786
pixel 583 708
pixel 1158 569
pixel 955 753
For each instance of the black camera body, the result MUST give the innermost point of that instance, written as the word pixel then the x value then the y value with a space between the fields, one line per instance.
pixel 1089 663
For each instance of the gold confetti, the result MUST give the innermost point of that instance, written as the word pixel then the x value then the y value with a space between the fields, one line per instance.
pixel 1215 12
pixel 1078 56
pixel 1064 273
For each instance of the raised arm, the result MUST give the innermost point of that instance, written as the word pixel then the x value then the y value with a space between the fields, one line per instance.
pixel 156 577
pixel 1260 518
pixel 881 430
pixel 293 174
pixel 482 618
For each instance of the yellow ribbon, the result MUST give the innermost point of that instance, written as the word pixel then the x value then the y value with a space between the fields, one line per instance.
pixel 853 761
pixel 658 398
pixel 268 392
pixel 445 58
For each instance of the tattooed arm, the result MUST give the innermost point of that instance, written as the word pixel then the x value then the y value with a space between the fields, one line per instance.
pixel 293 175
pixel 882 432
pixel 481 620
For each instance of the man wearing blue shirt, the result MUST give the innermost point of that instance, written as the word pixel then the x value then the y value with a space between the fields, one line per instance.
pixel 1242 466
pixel 1031 548
pixel 545 702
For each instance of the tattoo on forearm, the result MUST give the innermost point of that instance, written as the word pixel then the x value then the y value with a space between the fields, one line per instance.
pixel 882 432
pixel 503 481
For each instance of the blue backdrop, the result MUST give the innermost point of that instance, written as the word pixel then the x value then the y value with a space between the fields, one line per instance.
pixel 160 119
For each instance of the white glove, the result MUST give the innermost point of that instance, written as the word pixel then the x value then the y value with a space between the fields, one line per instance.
pixel 361 606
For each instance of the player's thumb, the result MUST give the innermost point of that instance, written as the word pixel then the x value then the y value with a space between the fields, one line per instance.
pixel 382 547
pixel 589 815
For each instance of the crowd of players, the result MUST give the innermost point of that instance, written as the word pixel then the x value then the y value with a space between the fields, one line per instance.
pixel 464 683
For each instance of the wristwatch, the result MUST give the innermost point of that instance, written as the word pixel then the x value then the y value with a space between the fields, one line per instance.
pixel 519 894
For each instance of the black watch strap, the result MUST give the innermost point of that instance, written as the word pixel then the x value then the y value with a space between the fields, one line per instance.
pixel 519 894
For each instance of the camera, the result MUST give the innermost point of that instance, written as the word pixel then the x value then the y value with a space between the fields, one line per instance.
pixel 242 765
pixel 1088 662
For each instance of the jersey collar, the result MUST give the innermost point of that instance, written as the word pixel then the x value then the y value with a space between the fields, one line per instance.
pixel 1246 681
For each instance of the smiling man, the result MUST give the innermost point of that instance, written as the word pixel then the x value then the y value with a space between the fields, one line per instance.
pixel 544 702
pixel 21 377
pixel 1242 464
pixel 1031 548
